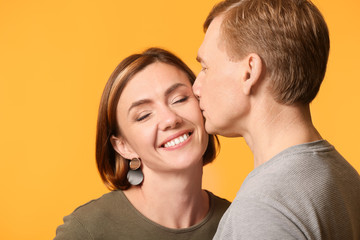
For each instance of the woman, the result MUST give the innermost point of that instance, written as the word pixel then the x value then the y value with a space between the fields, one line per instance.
pixel 150 150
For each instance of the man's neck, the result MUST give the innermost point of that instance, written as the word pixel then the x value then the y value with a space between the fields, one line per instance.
pixel 279 127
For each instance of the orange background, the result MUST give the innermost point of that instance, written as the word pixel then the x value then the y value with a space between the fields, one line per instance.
pixel 55 57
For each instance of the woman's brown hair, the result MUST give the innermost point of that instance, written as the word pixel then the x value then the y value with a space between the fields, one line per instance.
pixel 112 167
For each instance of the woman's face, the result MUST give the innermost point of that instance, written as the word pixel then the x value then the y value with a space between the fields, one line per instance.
pixel 160 120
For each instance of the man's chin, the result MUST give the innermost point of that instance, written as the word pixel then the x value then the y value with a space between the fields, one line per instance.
pixel 210 129
pixel 220 130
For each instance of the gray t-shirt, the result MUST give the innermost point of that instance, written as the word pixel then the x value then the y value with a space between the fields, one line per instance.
pixel 308 191
pixel 112 216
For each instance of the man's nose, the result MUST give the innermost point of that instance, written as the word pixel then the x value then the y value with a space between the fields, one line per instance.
pixel 196 88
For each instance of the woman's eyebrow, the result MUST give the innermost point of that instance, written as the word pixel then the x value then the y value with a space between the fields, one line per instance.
pixel 173 88
pixel 138 103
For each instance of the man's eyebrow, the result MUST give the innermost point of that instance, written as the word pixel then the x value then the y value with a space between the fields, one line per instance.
pixel 199 59
pixel 167 93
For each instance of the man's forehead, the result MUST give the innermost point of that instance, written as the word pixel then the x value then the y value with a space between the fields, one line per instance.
pixel 214 27
pixel 200 53
pixel 211 38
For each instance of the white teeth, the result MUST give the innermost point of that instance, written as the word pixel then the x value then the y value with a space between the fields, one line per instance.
pixel 176 141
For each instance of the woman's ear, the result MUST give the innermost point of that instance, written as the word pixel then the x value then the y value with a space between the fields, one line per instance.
pixel 253 66
pixel 122 147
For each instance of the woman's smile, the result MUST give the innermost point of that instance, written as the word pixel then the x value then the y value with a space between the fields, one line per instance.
pixel 177 141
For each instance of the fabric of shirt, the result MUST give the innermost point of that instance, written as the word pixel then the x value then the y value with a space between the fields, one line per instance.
pixel 308 191
pixel 112 216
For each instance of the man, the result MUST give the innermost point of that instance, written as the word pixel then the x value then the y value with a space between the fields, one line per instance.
pixel 263 62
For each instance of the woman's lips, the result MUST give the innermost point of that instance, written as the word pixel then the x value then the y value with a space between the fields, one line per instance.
pixel 176 140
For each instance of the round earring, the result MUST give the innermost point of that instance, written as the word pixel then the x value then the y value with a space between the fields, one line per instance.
pixel 135 163
pixel 135 175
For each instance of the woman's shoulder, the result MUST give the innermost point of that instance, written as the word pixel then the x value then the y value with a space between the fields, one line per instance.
pixel 217 198
pixel 98 205
pixel 219 204
pixel 87 218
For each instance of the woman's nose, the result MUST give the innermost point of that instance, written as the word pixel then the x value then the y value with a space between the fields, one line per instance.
pixel 169 119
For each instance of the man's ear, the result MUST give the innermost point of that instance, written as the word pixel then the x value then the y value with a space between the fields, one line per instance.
pixel 253 66
pixel 122 147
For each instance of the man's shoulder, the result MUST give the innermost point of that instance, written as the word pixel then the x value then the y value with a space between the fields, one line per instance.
pixel 298 186
pixel 304 162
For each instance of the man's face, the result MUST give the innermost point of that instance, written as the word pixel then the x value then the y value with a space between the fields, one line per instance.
pixel 218 86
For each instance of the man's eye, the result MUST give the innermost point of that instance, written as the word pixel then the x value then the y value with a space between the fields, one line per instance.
pixel 142 117
pixel 203 69
pixel 183 99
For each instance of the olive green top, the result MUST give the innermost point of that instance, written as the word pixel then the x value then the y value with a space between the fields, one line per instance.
pixel 112 216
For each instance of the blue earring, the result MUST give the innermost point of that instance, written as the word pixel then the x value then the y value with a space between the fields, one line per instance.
pixel 135 175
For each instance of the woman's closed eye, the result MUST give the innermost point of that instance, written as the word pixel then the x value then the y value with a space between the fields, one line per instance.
pixel 142 117
pixel 180 99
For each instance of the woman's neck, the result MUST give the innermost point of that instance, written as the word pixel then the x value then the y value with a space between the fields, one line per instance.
pixel 173 200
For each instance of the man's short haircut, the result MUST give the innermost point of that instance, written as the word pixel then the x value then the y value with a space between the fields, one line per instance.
pixel 290 36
